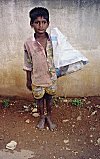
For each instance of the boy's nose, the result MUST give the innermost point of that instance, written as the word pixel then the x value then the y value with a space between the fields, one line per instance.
pixel 40 24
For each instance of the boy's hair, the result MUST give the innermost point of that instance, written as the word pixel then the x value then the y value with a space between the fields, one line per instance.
pixel 38 12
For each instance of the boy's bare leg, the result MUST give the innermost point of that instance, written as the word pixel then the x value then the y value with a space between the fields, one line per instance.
pixel 49 103
pixel 40 104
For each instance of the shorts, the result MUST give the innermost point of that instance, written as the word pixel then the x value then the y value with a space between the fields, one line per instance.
pixel 38 91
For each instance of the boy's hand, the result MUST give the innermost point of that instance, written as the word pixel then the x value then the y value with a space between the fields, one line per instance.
pixel 29 85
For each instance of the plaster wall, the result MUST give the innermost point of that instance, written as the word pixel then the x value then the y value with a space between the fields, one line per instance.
pixel 80 23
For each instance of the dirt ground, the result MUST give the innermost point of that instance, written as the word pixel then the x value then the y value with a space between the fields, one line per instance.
pixel 77 135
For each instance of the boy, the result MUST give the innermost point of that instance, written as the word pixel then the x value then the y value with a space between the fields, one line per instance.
pixel 39 65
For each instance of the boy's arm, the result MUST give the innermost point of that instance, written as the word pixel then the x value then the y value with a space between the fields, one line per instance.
pixel 29 80
pixel 28 66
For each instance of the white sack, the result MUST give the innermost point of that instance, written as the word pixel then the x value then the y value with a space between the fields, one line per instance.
pixel 64 54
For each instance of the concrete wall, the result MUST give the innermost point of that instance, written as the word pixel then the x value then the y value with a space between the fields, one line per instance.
pixel 79 20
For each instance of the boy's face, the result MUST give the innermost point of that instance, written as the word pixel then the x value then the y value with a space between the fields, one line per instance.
pixel 40 25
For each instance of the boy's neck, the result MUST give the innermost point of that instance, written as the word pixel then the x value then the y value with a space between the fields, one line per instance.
pixel 37 35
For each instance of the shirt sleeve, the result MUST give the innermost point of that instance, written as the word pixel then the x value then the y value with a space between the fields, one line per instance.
pixel 28 65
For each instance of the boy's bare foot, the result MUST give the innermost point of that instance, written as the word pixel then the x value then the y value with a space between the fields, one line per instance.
pixel 41 123
pixel 51 125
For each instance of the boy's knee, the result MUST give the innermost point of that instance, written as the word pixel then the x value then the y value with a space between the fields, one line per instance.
pixel 48 96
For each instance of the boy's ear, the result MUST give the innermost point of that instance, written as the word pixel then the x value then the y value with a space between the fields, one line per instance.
pixel 48 23
pixel 31 24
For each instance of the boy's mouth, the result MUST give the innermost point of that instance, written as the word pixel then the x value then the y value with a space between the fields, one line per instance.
pixel 41 29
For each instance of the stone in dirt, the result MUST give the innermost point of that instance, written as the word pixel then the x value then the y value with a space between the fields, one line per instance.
pixel 11 145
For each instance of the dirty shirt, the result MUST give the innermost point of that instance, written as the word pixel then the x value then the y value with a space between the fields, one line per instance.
pixel 40 64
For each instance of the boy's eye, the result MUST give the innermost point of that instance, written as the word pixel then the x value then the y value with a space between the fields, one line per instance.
pixel 38 22
pixel 44 22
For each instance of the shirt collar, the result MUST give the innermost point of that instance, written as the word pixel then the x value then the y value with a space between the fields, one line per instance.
pixel 34 35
